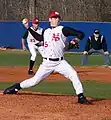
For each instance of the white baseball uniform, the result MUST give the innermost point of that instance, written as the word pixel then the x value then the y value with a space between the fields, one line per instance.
pixel 54 44
pixel 31 41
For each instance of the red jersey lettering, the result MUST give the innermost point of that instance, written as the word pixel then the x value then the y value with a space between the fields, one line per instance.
pixel 56 37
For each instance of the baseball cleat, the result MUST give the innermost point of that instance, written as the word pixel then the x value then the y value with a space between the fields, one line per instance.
pixel 30 72
pixel 12 89
pixel 83 100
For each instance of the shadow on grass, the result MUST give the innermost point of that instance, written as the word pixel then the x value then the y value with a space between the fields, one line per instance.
pixel 53 94
pixel 41 94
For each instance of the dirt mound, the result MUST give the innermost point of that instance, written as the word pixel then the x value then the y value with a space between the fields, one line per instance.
pixel 36 106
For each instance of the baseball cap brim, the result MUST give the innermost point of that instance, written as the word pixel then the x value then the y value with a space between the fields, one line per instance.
pixel 35 21
pixel 96 31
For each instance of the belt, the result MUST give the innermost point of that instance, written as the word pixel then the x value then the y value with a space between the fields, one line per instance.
pixel 54 59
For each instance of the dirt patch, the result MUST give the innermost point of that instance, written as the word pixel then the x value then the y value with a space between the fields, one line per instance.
pixel 85 73
pixel 37 106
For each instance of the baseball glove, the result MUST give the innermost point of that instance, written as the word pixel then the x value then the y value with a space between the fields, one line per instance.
pixel 75 46
pixel 74 43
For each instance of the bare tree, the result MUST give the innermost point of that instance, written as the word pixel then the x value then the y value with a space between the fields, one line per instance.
pixel 71 10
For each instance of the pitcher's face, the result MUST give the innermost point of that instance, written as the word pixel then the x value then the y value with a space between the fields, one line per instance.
pixel 54 21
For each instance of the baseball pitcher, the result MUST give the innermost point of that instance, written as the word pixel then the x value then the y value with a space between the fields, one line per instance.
pixel 53 58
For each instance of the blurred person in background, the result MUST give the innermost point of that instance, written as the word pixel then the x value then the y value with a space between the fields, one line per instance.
pixel 33 44
pixel 96 43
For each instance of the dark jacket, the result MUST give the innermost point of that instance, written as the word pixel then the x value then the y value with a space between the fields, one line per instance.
pixel 96 44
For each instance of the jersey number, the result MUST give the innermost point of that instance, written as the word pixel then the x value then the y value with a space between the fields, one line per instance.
pixel 45 44
pixel 55 37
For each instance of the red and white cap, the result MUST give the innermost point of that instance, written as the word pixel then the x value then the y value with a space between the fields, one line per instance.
pixel 35 21
pixel 54 14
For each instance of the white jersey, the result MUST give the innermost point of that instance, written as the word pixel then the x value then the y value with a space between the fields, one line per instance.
pixel 31 39
pixel 54 42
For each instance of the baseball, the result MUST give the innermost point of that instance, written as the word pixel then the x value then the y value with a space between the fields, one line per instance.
pixel 25 20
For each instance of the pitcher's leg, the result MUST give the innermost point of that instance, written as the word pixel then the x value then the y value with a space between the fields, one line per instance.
pixel 30 82
pixel 65 69
pixel 76 82
pixel 42 73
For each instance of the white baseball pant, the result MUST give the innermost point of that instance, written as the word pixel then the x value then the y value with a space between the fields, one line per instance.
pixel 47 67
pixel 33 50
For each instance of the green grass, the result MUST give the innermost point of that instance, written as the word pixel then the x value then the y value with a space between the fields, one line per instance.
pixel 93 89
pixel 92 60
pixel 16 58
pixel 21 58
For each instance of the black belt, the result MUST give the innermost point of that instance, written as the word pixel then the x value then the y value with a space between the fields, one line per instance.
pixel 54 59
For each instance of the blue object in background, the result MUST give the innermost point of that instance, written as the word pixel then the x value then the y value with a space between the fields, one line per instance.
pixel 12 32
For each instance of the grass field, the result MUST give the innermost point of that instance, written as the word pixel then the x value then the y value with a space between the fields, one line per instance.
pixel 21 58
pixel 92 88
